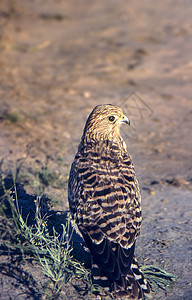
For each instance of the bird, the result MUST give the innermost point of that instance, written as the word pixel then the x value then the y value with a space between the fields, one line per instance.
pixel 105 203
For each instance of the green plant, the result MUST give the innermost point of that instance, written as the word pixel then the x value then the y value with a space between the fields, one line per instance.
pixel 52 251
pixel 12 116
pixel 158 278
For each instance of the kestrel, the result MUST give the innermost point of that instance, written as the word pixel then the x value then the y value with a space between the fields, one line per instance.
pixel 105 202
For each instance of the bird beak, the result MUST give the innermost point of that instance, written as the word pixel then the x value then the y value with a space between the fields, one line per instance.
pixel 125 120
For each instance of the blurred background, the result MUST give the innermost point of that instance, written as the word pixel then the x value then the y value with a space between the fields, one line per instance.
pixel 61 58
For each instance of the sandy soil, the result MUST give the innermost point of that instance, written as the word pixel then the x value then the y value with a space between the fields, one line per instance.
pixel 61 58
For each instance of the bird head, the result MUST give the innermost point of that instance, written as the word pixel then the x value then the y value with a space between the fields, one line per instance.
pixel 104 122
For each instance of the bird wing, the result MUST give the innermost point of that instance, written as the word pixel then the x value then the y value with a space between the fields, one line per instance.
pixel 106 202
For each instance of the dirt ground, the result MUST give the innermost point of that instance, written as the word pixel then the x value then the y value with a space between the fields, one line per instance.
pixel 61 58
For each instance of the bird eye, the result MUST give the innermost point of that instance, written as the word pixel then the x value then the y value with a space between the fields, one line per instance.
pixel 111 119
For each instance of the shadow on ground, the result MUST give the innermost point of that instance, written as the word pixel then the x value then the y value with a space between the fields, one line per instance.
pixel 20 263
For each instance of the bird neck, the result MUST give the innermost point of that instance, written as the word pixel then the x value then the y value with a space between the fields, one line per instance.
pixel 102 135
pixel 102 144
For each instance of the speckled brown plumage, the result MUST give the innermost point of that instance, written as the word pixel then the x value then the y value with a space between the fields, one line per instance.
pixel 105 202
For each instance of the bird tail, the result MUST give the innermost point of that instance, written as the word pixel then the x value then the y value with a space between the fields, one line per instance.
pixel 133 286
pixel 139 277
pixel 99 278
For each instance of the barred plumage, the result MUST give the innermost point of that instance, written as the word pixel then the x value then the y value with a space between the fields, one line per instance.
pixel 105 202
